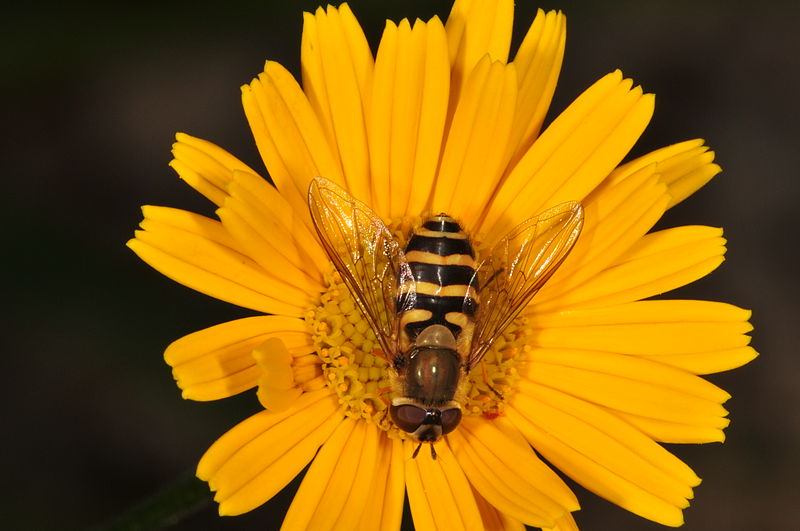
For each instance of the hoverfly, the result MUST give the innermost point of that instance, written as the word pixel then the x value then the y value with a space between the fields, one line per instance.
pixel 435 311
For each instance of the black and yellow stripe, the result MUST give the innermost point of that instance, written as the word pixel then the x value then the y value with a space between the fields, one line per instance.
pixel 442 262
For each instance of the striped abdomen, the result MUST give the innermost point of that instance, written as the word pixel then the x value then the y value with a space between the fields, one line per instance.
pixel 442 261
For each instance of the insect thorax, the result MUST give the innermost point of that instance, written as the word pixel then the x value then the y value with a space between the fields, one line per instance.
pixel 431 375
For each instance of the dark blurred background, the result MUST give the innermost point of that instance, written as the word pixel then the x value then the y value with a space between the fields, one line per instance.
pixel 91 98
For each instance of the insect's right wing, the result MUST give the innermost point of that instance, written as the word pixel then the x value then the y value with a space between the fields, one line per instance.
pixel 366 255
pixel 517 267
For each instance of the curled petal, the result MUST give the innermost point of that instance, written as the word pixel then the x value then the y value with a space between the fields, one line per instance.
pixel 205 166
pixel 217 362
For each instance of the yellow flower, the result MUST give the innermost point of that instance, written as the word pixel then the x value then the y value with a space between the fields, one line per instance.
pixel 591 377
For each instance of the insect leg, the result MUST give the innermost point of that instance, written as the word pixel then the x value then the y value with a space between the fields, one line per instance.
pixel 414 455
pixel 486 381
pixel 382 395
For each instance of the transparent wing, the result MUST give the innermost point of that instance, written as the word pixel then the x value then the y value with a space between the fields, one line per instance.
pixel 366 255
pixel 517 267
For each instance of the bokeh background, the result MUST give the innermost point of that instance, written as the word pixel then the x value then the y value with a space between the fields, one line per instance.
pixel 91 98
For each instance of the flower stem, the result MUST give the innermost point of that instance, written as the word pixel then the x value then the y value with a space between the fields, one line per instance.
pixel 165 508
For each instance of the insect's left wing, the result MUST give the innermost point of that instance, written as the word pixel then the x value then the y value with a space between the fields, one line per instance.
pixel 366 255
pixel 517 267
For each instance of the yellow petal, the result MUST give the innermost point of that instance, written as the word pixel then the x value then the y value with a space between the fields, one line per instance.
pixel 616 215
pixel 672 432
pixel 216 362
pixel 631 396
pixel 659 262
pixel 289 136
pixel 247 432
pixel 565 523
pixel 509 475
pixel 635 368
pixel 438 492
pixel 609 441
pixel 229 384
pixel 257 458
pixel 367 473
pixel 710 362
pixel 387 492
pixel 644 328
pixel 475 150
pixel 184 220
pixel 277 388
pixel 494 520
pixel 408 109
pixel 574 154
pixel 688 182
pixel 335 490
pixel 652 311
pixel 189 256
pixel 598 462
pixel 684 167
pixel 276 361
pixel 476 29
pixel 204 166
pixel 264 224
pixel 538 63
pixel 421 508
pixel 269 252
pixel 606 421
pixel 337 76
pixel 653 339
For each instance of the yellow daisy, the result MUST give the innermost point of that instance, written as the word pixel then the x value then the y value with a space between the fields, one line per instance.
pixel 591 377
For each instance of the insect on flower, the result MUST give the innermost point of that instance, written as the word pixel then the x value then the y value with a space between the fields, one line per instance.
pixel 434 309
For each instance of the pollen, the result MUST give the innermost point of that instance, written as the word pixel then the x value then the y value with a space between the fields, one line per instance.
pixel 345 343
pixel 357 370
pixel 495 378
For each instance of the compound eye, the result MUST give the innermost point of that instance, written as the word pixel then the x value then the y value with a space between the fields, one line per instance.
pixel 450 419
pixel 407 417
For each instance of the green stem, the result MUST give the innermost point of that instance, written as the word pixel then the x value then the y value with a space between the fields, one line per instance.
pixel 167 507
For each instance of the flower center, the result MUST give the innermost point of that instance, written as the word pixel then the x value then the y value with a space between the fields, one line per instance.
pixel 354 366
